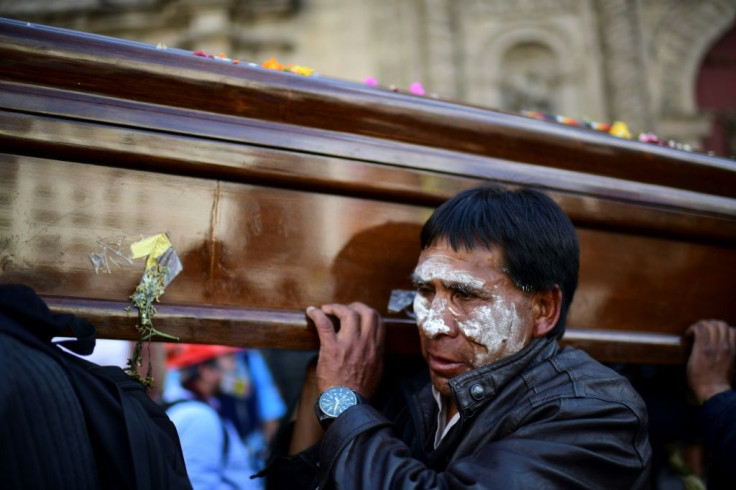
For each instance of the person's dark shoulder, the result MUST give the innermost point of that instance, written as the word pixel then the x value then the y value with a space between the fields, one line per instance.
pixel 42 421
pixel 724 399
pixel 589 378
pixel 717 413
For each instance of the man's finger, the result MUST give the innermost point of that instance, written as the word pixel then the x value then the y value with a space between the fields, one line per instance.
pixel 371 321
pixel 349 319
pixel 706 332
pixel 325 328
pixel 694 329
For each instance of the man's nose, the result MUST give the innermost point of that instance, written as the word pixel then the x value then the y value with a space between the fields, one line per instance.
pixel 441 320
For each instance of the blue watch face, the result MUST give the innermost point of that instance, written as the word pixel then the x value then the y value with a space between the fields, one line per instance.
pixel 336 400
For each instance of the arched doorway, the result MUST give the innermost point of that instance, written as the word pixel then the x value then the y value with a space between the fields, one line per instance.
pixel 531 78
pixel 716 94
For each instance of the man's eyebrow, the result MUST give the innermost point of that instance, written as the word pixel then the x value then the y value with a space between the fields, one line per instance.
pixel 460 286
pixel 463 287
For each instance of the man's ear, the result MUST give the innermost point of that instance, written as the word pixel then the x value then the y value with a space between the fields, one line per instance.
pixel 546 311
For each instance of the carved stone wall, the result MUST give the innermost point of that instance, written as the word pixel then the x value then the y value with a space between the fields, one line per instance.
pixel 678 40
pixel 627 91
pixel 632 60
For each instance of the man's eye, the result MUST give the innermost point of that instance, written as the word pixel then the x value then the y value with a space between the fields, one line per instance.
pixel 464 295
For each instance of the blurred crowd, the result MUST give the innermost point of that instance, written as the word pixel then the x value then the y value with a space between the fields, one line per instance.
pixel 224 402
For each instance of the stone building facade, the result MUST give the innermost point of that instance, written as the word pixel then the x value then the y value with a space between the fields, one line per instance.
pixel 604 60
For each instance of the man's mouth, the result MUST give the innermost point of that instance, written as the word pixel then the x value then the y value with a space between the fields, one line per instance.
pixel 447 368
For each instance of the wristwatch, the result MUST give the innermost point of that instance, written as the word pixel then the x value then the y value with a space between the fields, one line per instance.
pixel 334 401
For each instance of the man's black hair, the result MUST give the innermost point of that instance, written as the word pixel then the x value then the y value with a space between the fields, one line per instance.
pixel 537 241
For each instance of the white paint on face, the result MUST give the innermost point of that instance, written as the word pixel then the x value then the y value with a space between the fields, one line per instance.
pixel 430 316
pixel 421 308
pixel 435 268
pixel 496 327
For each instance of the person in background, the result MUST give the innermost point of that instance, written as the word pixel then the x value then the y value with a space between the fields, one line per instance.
pixel 215 455
pixel 234 384
pixel 253 400
pixel 710 371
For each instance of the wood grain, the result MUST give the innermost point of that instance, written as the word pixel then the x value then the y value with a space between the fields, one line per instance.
pixel 280 191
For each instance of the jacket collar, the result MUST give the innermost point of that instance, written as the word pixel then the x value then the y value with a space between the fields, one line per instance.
pixel 475 388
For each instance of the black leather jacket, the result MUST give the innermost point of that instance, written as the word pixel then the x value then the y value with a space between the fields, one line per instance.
pixel 543 418
pixel 718 421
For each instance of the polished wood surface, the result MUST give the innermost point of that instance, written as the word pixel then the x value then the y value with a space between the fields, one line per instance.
pixel 291 329
pixel 280 192
pixel 78 62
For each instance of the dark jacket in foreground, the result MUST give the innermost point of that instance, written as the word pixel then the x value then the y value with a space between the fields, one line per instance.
pixel 543 418
pixel 66 423
pixel 718 421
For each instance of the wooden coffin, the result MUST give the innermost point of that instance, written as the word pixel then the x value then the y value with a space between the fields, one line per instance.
pixel 280 191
